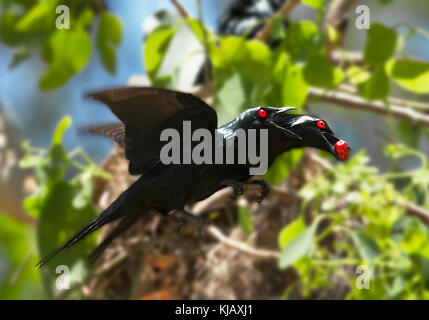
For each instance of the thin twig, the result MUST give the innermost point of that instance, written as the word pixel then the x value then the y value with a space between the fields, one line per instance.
pixel 220 198
pixel 240 246
pixel 354 102
pixel 264 34
pixel 180 8
pixel 336 17
pixel 393 100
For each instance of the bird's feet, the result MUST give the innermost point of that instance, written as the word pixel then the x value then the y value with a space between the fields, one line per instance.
pixel 265 189
pixel 240 186
pixel 237 186
pixel 186 219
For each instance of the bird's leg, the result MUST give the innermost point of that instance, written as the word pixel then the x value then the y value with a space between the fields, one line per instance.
pixel 237 186
pixel 265 189
pixel 188 218
pixel 240 186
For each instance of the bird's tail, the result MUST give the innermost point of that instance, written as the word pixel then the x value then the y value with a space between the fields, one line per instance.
pixel 119 208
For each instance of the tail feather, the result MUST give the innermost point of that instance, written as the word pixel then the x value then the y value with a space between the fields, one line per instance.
pixel 126 222
pixel 97 223
pixel 127 204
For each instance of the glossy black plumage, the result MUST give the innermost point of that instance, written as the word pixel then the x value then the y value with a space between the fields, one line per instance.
pixel 145 112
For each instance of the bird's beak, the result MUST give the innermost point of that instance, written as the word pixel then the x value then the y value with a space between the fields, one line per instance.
pixel 284 130
pixel 338 148
pixel 285 109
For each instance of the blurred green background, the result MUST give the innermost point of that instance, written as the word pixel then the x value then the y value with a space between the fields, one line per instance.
pixel 377 202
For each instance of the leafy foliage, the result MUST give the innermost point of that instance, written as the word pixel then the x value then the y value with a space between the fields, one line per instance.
pixel 28 26
pixel 62 205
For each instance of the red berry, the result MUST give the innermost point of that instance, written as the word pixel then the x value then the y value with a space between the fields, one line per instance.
pixel 342 150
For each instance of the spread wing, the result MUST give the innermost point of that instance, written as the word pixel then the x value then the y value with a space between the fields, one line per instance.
pixel 145 112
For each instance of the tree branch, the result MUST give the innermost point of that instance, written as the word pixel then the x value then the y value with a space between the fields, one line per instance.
pixel 354 102
pixel 180 8
pixel 336 17
pixel 264 34
pixel 240 246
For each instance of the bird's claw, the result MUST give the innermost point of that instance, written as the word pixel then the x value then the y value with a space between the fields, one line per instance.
pixel 189 219
pixel 265 190
pixel 238 187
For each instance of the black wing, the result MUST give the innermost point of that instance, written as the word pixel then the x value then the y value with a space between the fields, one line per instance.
pixel 145 113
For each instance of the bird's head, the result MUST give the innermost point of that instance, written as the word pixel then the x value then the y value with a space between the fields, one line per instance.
pixel 294 131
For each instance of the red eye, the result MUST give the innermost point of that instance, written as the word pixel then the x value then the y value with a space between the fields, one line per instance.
pixel 321 124
pixel 262 113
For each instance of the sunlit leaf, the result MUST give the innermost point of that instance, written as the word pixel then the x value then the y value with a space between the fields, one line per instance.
pixel 155 48
pixel 282 166
pixel 68 52
pixel 108 38
pixel 300 246
pixel 411 75
pixel 295 88
pixel 288 233
pixel 317 4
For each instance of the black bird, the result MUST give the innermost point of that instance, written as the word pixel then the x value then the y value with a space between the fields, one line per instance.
pixel 146 112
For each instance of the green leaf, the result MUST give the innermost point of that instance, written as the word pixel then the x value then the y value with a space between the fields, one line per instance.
pixel 58 221
pixel 230 50
pixel 357 75
pixel 108 38
pixel 376 87
pixel 16 243
pixel 380 45
pixel 317 4
pixel 288 233
pixel 18 39
pixel 301 245
pixel 411 75
pixel 282 166
pixel 155 48
pixel 232 98
pixel 333 34
pixel 245 220
pixel 295 89
pixel 410 134
pixel 250 58
pixel 62 126
pixel 67 51
pixel 256 65
pixel 368 247
pixel 302 39
pixel 197 28
pixel 320 72
pixel 277 30
pixel 40 18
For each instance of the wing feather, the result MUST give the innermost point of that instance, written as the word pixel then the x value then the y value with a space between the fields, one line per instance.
pixel 145 112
